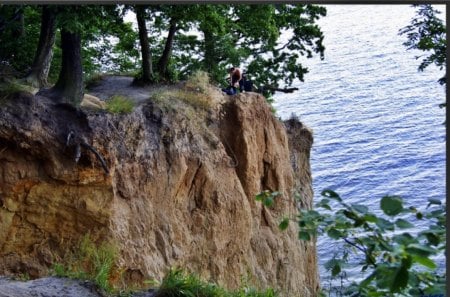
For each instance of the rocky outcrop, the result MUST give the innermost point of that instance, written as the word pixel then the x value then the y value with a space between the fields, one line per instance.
pixel 170 187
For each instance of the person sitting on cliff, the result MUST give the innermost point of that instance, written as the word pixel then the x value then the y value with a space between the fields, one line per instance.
pixel 235 81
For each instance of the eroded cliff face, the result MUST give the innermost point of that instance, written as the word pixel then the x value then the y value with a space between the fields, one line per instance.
pixel 179 191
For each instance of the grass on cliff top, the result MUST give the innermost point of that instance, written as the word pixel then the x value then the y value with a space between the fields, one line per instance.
pixel 196 93
pixel 119 104
pixel 10 88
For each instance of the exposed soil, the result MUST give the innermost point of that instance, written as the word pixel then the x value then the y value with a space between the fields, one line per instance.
pixel 123 85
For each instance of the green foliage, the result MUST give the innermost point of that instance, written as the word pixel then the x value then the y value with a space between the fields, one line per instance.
pixel 10 88
pixel 267 198
pixel 90 262
pixel 119 104
pixel 242 35
pixel 427 33
pixel 398 259
pixel 177 283
pixel 19 39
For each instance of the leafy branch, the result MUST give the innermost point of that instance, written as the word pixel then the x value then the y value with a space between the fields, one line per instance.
pixel 399 259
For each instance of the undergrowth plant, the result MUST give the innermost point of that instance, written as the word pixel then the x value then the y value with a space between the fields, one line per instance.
pixel 396 258
pixel 10 88
pixel 178 283
pixel 89 261
pixel 119 104
pixel 196 93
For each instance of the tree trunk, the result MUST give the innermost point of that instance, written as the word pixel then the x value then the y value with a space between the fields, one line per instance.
pixel 19 29
pixel 165 57
pixel 211 58
pixel 42 60
pixel 147 68
pixel 69 87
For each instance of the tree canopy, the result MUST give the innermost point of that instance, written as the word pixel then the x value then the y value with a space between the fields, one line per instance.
pixel 427 33
pixel 267 40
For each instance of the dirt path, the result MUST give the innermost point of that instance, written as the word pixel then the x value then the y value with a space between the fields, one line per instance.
pixel 122 85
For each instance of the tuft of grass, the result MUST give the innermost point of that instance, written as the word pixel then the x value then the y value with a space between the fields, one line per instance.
pixel 94 80
pixel 119 104
pixel 195 93
pixel 10 88
pixel 174 97
pixel 90 262
pixel 177 283
pixel 198 81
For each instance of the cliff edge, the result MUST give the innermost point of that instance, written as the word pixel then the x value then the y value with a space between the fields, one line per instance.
pixel 172 183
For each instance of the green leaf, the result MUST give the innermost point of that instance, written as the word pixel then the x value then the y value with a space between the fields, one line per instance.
pixel 384 224
pixel 424 261
pixel 331 194
pixel 403 224
pixel 400 280
pixel 260 196
pixel 432 238
pixel 336 270
pixel 360 208
pixel 303 235
pixel 268 201
pixel 324 204
pixel 420 250
pixel 404 239
pixel 391 205
pixel 334 233
pixel 370 218
pixel 284 224
pixel 334 265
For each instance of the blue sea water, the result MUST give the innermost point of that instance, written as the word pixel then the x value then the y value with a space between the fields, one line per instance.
pixel 376 122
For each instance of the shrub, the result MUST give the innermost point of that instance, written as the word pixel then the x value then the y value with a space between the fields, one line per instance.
pixel 119 104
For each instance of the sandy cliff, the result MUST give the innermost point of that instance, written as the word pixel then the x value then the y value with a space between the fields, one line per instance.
pixel 179 190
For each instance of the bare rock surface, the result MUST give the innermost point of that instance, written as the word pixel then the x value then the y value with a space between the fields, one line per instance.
pixel 176 187
pixel 46 287
pixel 54 287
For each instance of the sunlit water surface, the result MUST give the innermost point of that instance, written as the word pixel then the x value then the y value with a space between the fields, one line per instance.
pixel 377 126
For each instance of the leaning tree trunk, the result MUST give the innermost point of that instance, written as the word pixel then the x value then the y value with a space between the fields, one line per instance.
pixel 69 87
pixel 165 57
pixel 147 68
pixel 41 65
